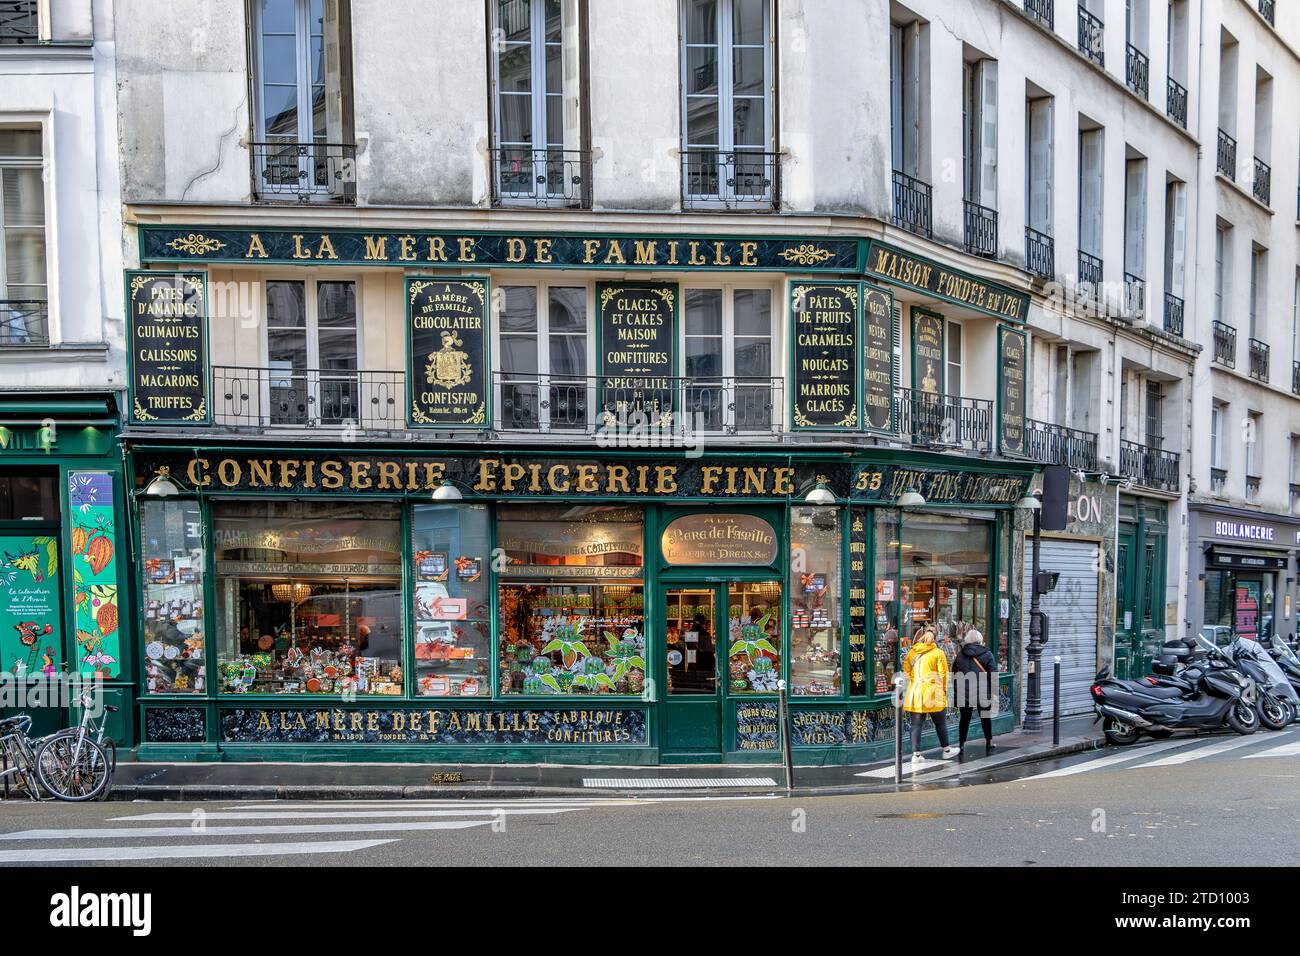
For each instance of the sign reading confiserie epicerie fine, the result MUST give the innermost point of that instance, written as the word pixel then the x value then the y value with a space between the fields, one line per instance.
pixel 1011 390
pixel 167 343
pixel 636 336
pixel 448 352
pixel 826 354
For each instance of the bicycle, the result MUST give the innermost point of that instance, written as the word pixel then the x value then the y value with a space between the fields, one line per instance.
pixel 17 761
pixel 64 765
pixel 64 748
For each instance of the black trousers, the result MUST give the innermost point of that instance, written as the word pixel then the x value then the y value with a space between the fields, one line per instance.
pixel 940 727
pixel 986 724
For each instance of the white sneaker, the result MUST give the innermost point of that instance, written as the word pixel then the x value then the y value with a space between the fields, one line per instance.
pixel 950 752
pixel 918 761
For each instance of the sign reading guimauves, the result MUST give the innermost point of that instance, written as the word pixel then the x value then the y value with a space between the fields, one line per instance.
pixel 448 351
pixel 826 353
pixel 167 344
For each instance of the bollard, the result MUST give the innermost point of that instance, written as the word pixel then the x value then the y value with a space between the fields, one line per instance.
pixel 900 684
pixel 1056 701
pixel 786 745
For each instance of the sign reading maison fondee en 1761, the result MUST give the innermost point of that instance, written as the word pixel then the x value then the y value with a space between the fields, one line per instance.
pixel 167 343
pixel 903 268
pixel 826 354
pixel 477 250
pixel 448 352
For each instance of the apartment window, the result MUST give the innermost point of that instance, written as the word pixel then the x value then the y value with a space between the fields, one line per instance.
pixel 1135 228
pixel 1253 454
pixel 1091 142
pixel 1155 423
pixel 718 377
pixel 1220 270
pixel 1038 164
pixel 23 291
pixel 536 70
pixel 1175 237
pixel 907 114
pixel 544 335
pixel 952 351
pixel 1218 414
pixel 980 132
pixel 311 351
pixel 1295 320
pixel 727 110
pixel 1258 264
pixel 302 110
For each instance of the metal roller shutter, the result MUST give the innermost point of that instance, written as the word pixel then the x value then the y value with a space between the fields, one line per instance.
pixel 1072 610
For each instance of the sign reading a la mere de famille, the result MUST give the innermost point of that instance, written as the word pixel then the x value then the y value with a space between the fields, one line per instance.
pixel 448 352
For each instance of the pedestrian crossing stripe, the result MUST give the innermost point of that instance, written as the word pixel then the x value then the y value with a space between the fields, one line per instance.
pixel 183 851
pixel 1189 749
pixel 1286 750
pixel 1198 753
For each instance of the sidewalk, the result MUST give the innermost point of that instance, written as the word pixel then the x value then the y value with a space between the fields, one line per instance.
pixel 394 781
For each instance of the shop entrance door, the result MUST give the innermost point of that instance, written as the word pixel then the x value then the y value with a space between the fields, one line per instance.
pixel 691 639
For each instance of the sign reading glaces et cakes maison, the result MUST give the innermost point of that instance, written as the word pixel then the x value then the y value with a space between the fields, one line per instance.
pixel 637 331
pixel 448 352
pixel 167 343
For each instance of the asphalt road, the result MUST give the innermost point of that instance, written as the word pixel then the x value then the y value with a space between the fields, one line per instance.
pixel 1208 802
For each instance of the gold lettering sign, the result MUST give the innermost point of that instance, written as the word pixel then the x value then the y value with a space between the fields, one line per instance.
pixel 719 539
pixel 902 268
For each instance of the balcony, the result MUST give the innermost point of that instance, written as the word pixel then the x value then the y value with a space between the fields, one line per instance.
pixel 981 230
pixel 1137 71
pixel 1259 358
pixel 1227 156
pixel 1218 481
pixel 931 420
pixel 308 398
pixel 304 173
pixel 1040 253
pixel 24 323
pixel 742 179
pixel 585 405
pixel 1148 466
pixel 1262 185
pixel 1252 489
pixel 1176 102
pixel 1295 378
pixel 1043 11
pixel 1267 10
pixel 1173 314
pixel 1135 296
pixel 912 204
pixel 1225 344
pixel 541 177
pixel 1058 445
pixel 1090 273
pixel 19 22
pixel 1092 37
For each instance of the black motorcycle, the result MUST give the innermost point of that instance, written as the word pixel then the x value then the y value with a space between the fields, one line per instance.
pixel 1188 694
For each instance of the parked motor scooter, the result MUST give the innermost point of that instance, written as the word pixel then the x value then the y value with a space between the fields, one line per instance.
pixel 1276 700
pixel 1286 659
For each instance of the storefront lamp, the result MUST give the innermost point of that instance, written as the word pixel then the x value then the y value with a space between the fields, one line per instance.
pixel 1029 503
pixel 447 492
pixel 820 495
pixel 911 498
pixel 162 485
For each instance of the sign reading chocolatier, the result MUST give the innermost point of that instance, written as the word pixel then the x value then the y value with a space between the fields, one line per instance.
pixel 636 329
pixel 878 373
pixel 927 351
pixel 167 342
pixel 1011 391
pixel 448 352
pixel 826 354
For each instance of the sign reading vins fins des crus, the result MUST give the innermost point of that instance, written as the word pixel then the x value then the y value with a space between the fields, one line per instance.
pixel 448 352
pixel 167 317
pixel 878 373
pixel 636 333
pixel 1011 391
pixel 826 354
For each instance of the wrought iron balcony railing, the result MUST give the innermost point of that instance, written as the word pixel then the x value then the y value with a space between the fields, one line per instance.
pixel 1137 71
pixel 1040 253
pixel 1259 359
pixel 1225 344
pixel 522 176
pixel 742 179
pixel 1176 102
pixel 1135 296
pixel 1295 378
pixel 1148 466
pixel 1043 11
pixel 1262 186
pixel 1059 445
pixel 308 398
pixel 24 322
pixel 912 206
pixel 1173 314
pixel 932 420
pixel 1268 11
pixel 1227 155
pixel 19 21
pixel 290 171
pixel 1090 270
pixel 981 230
pixel 561 404
pixel 1092 37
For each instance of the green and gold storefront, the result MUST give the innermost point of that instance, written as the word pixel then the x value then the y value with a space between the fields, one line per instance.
pixel 534 605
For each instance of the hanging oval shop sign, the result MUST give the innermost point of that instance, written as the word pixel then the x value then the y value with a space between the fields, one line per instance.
pixel 719 539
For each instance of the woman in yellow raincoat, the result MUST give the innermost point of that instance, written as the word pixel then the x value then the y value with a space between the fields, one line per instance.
pixel 926 667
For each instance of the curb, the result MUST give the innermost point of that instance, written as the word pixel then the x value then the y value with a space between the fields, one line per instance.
pixel 217 792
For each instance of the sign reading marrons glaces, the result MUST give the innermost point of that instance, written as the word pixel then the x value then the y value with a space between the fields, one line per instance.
pixel 167 346
pixel 448 352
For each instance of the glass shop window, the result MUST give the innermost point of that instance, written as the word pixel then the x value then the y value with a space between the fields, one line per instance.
pixel 571 602
pixel 815 601
pixel 945 578
pixel 450 549
pixel 29 496
pixel 172 559
pixel 309 597
pixel 754 636
pixel 887 606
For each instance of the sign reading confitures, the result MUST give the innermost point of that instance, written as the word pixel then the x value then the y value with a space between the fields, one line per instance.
pixel 448 352
pixel 636 335
pixel 1012 361
pixel 167 344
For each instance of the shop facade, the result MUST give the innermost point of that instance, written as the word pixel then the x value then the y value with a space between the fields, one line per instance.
pixel 1245 573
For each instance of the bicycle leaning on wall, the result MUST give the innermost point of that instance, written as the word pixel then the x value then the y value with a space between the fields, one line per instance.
pixel 75 764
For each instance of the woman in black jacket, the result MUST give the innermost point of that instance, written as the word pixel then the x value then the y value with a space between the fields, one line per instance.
pixel 976 687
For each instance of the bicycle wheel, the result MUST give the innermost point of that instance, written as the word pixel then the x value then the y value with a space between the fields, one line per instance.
pixel 70 769
pixel 110 750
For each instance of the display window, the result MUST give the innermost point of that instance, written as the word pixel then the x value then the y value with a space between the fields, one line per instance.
pixel 1238 605
pixel 571 602
pixel 944 565
pixel 815 601
pixel 172 562
pixel 450 547
pixel 887 606
pixel 754 636
pixel 309 597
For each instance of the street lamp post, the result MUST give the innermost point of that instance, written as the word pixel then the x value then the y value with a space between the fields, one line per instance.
pixel 1034 652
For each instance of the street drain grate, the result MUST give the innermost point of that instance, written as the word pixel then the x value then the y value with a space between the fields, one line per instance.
pixel 674 783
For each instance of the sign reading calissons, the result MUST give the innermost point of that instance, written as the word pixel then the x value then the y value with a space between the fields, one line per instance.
pixel 167 341
pixel 448 349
